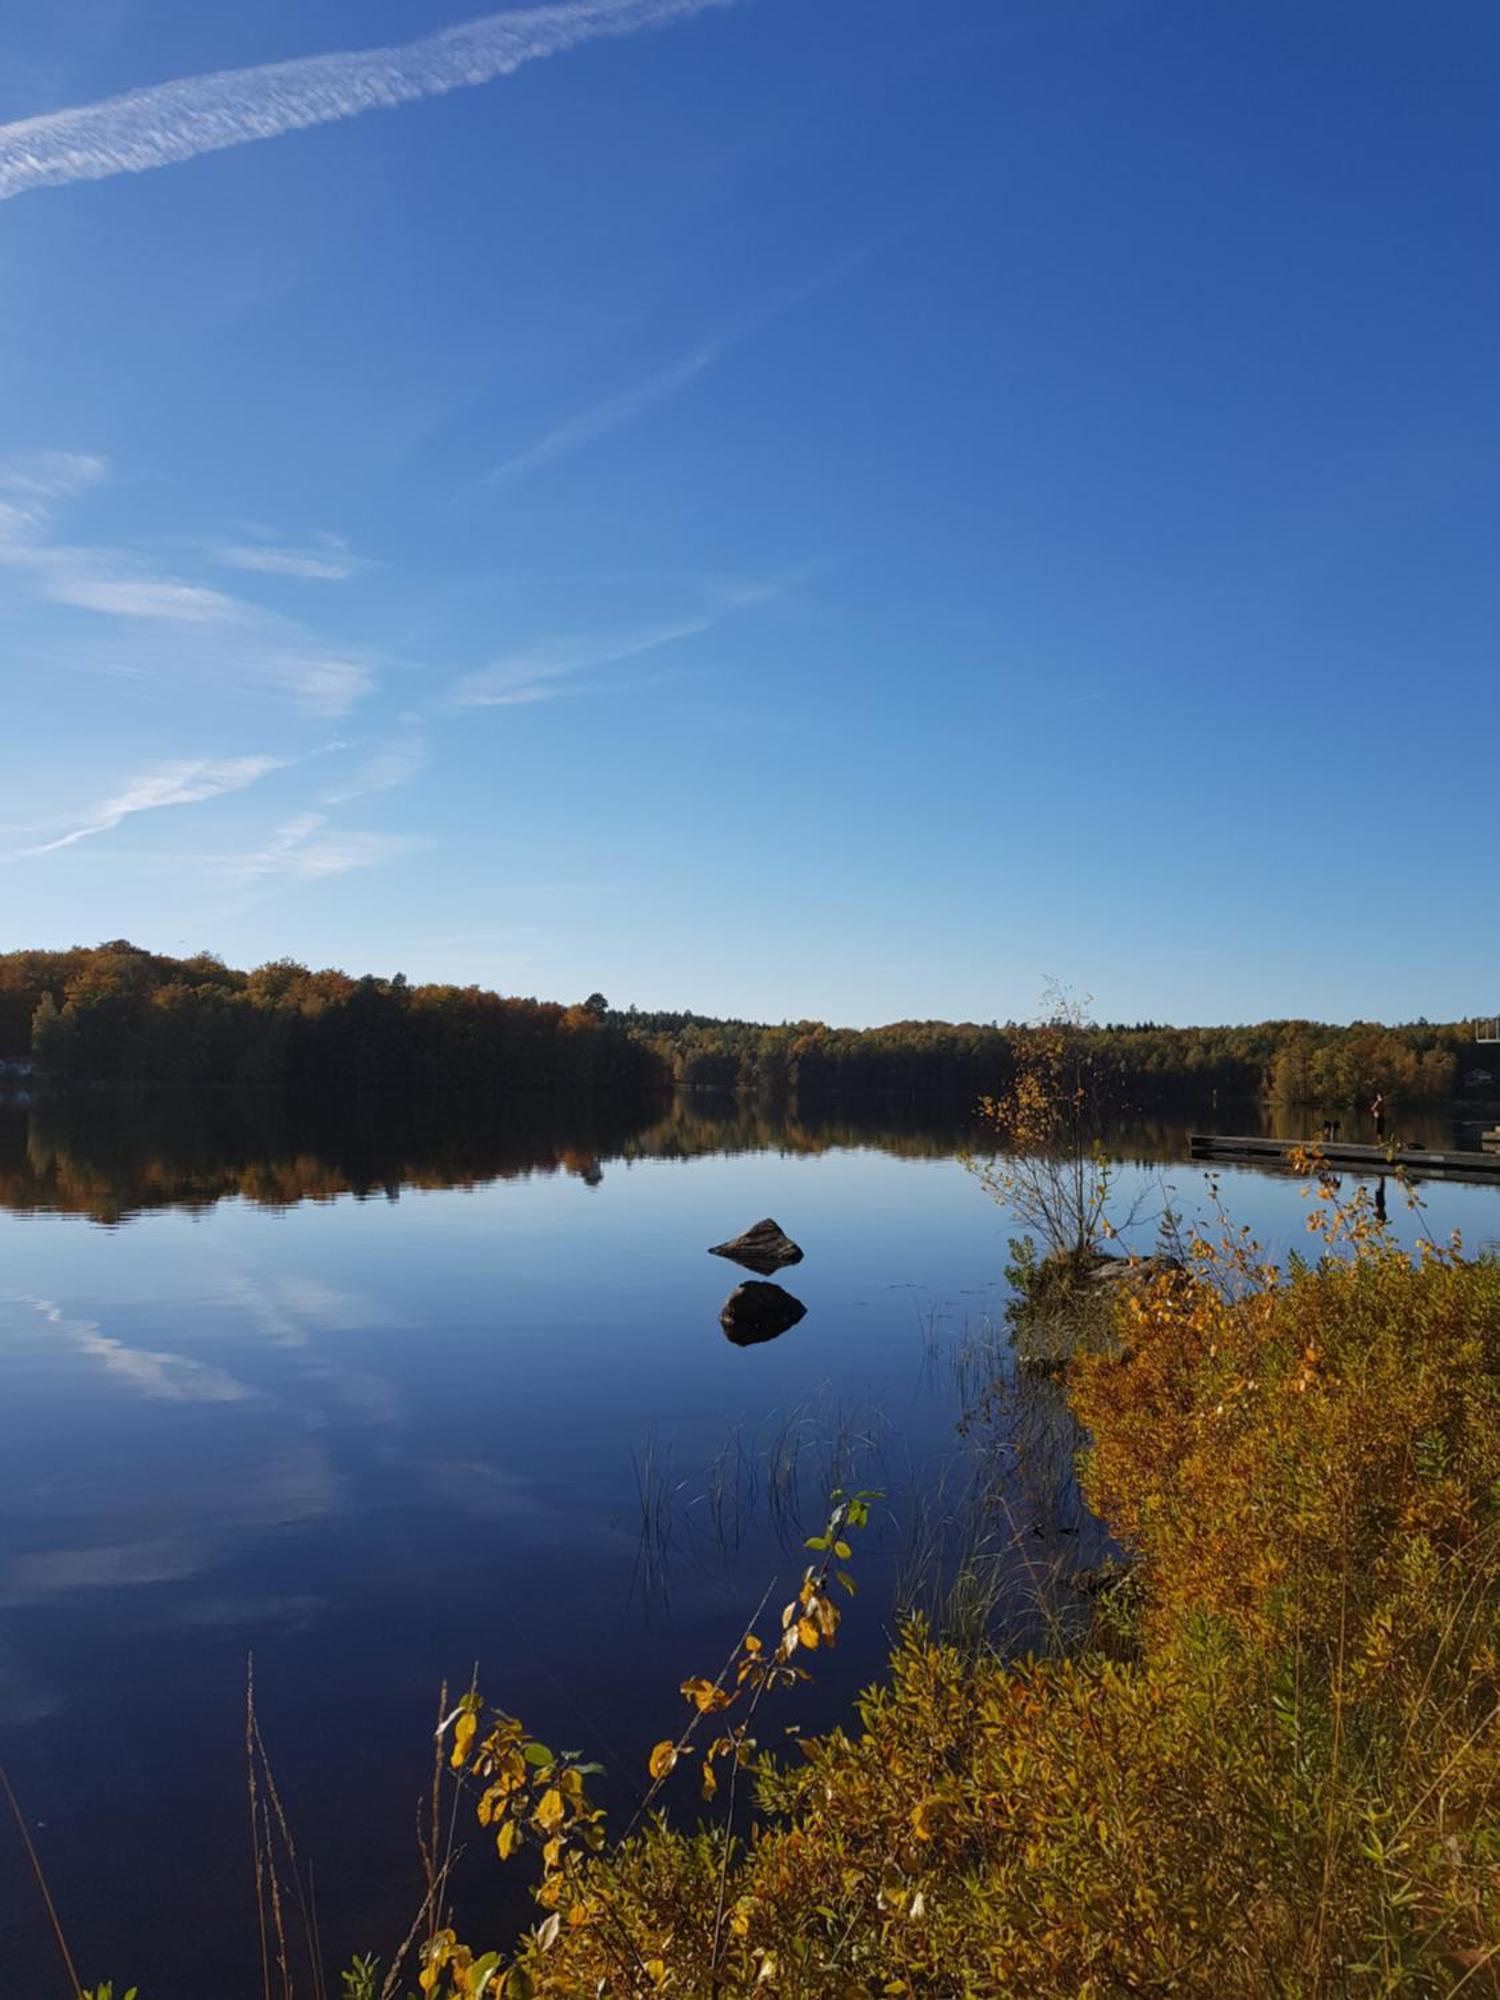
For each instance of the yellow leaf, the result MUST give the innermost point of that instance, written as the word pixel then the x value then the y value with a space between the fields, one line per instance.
pixel 710 1780
pixel 506 1838
pixel 463 1736
pixel 549 1813
pixel 704 1696
pixel 663 1757
pixel 808 1633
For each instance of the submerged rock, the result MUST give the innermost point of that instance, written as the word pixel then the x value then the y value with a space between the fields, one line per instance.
pixel 754 1312
pixel 1111 1269
pixel 1101 1578
pixel 764 1247
pixel 1069 1306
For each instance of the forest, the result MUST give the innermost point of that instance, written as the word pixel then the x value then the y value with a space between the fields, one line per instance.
pixel 1288 1062
pixel 114 1013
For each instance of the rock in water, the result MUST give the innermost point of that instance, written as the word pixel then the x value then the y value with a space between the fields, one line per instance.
pixel 754 1312
pixel 765 1247
pixel 1112 1272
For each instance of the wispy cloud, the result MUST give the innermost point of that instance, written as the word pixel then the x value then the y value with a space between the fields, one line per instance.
pixel 179 784
pixel 263 1489
pixel 534 673
pixel 319 680
pixel 328 560
pixel 601 418
pixel 530 674
pixel 609 415
pixel 166 1378
pixel 170 122
pixel 257 647
pixel 52 475
pixel 307 849
pixel 394 765
pixel 69 582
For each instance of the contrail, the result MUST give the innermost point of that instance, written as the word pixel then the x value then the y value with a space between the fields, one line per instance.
pixel 607 416
pixel 183 784
pixel 168 122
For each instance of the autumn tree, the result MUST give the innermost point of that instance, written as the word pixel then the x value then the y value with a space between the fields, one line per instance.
pixel 1049 1168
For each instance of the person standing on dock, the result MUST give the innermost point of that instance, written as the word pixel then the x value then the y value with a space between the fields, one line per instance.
pixel 1377 1112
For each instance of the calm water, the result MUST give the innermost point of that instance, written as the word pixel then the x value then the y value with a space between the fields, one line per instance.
pixel 376 1398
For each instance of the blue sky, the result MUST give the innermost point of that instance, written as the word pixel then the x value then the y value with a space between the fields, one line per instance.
pixel 803 508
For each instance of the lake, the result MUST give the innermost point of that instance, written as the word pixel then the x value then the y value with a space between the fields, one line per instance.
pixel 378 1396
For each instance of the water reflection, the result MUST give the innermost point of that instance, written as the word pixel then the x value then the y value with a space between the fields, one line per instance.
pixel 111 1157
pixel 756 1312
pixel 488 1415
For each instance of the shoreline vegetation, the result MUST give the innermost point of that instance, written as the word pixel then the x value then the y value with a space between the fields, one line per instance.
pixel 114 1014
pixel 1266 1759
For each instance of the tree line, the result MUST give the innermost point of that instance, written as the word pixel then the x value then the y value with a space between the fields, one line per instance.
pixel 116 1014
pixel 113 1013
pixel 1288 1062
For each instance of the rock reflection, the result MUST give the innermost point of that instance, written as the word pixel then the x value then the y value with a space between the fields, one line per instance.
pixel 756 1312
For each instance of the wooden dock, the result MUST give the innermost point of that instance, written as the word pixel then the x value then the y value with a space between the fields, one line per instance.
pixel 1345 1158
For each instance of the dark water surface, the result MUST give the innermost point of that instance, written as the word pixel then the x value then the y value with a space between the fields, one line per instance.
pixel 380 1396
